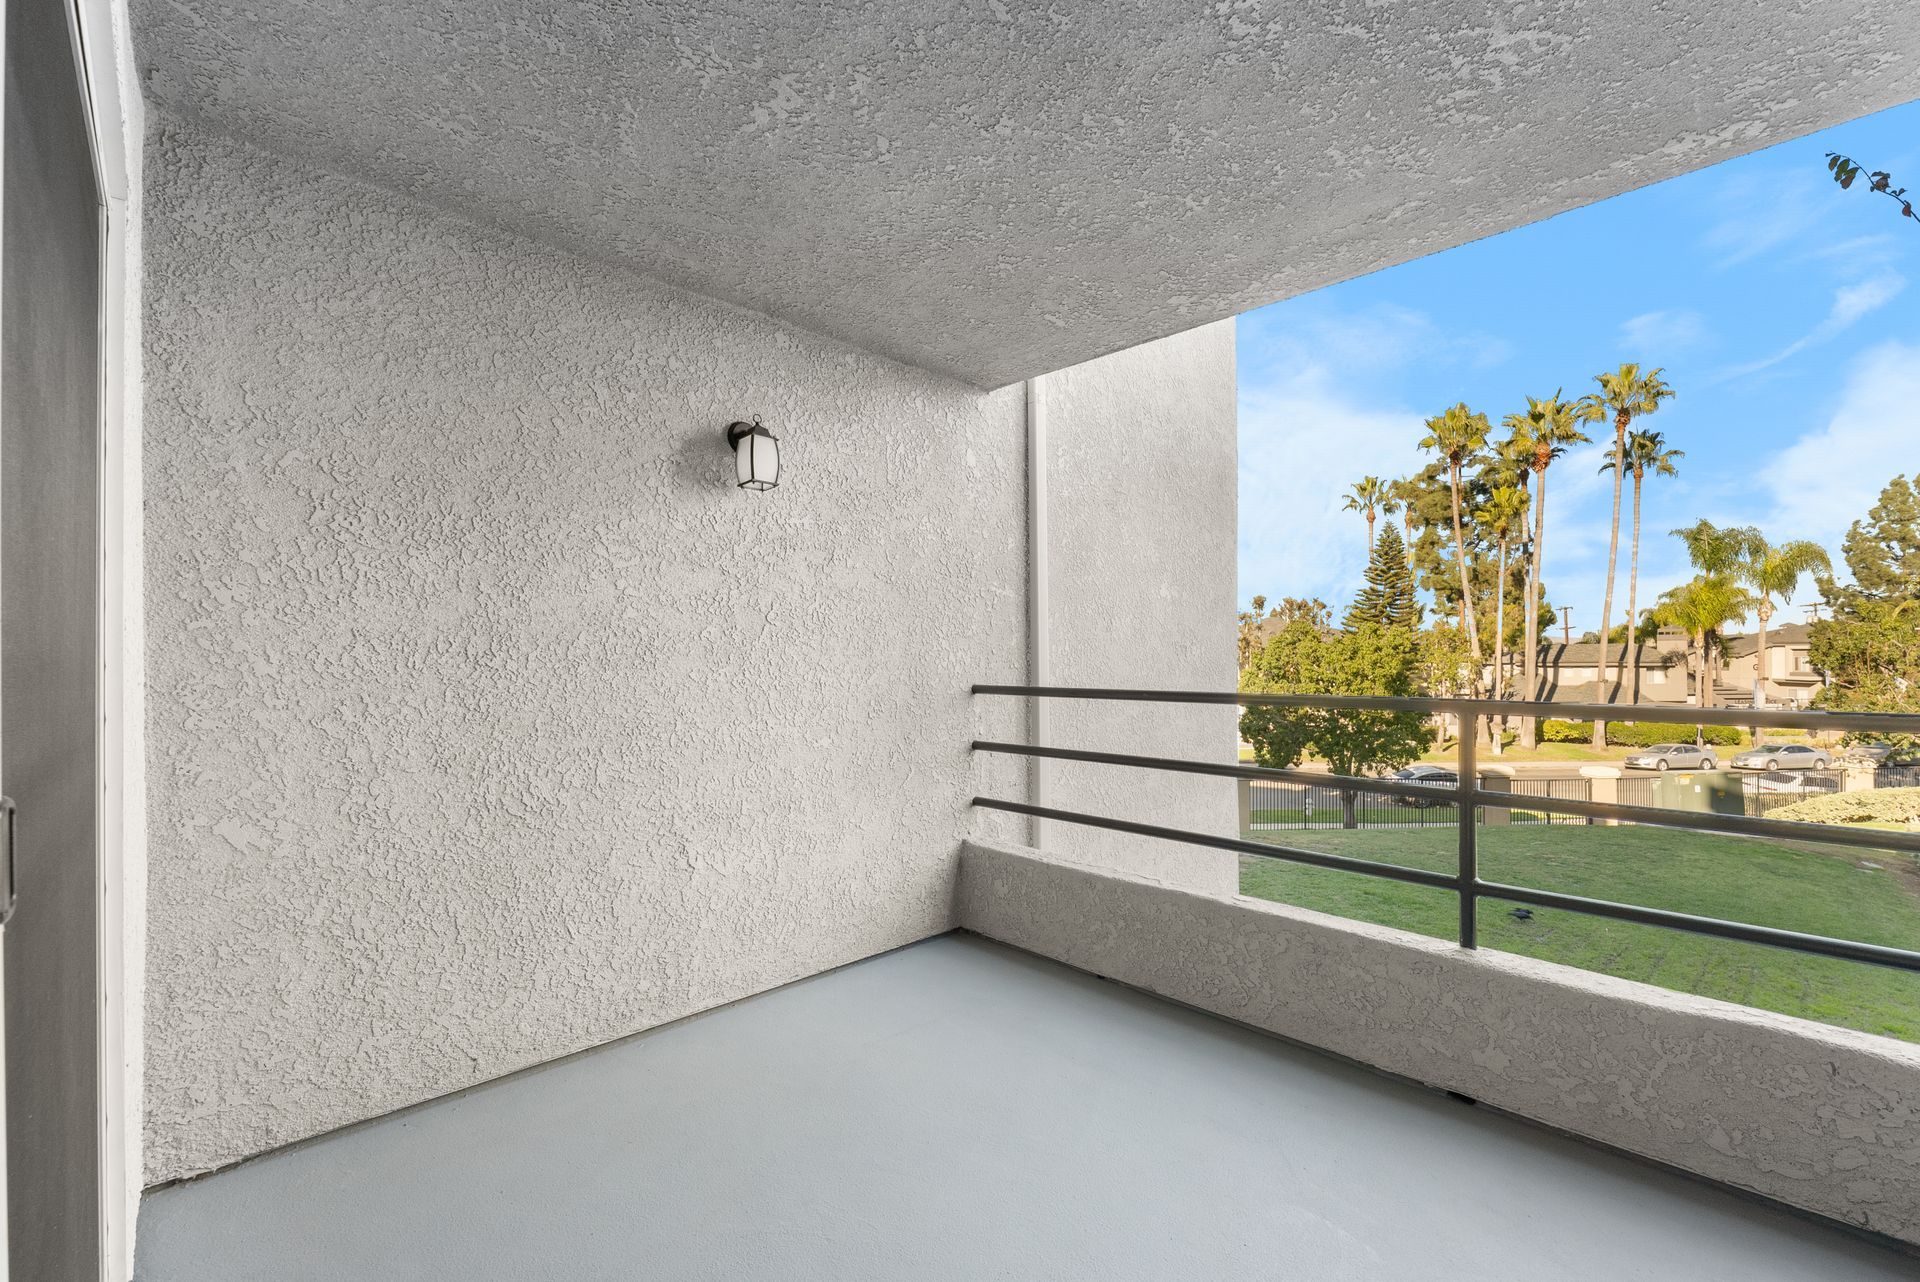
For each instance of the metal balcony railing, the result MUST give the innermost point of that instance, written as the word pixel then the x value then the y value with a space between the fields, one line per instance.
pixel 1468 798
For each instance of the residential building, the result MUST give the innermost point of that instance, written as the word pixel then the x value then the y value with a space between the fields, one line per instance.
pixel 1791 678
pixel 475 822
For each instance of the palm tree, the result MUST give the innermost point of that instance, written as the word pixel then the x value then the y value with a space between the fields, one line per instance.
pixel 1701 607
pixel 1503 515
pixel 1542 434
pixel 1646 452
pixel 1403 492
pixel 1457 435
pixel 1624 395
pixel 1775 570
pixel 1371 497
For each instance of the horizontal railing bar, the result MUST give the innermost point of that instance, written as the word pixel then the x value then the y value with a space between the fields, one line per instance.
pixel 1497 799
pixel 1781 718
pixel 1265 850
pixel 1437 793
pixel 1793 940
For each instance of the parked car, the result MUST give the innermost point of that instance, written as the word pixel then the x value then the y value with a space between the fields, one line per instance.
pixel 1782 781
pixel 1426 776
pixel 1673 756
pixel 1783 756
pixel 1881 756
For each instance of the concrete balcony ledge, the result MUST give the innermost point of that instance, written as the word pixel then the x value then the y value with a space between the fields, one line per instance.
pixel 1823 1119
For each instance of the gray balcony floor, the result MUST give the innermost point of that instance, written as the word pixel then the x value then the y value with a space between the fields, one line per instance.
pixel 955 1110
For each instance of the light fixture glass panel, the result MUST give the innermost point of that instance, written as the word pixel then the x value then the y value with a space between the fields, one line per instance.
pixel 766 461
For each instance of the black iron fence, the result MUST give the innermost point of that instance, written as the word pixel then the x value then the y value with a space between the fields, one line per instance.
pixel 1464 800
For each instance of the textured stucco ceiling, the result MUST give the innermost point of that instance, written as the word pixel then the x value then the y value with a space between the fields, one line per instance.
pixel 996 189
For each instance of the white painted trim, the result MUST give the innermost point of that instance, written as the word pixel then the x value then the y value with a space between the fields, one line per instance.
pixel 99 36
pixel 94 52
pixel 1039 630
pixel 6 1252
pixel 119 1187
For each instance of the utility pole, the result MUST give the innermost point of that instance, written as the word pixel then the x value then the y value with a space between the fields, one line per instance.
pixel 1566 625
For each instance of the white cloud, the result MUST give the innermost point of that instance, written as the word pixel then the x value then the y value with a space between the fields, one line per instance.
pixel 1657 333
pixel 1302 444
pixel 1379 338
pixel 1850 303
pixel 1831 476
pixel 1770 209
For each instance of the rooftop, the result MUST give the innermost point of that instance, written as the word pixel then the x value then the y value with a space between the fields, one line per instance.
pixel 960 1110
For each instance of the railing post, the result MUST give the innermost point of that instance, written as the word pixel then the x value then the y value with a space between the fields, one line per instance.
pixel 1497 779
pixel 1603 784
pixel 1469 803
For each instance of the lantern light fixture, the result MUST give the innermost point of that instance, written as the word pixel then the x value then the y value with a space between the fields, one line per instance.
pixel 756 455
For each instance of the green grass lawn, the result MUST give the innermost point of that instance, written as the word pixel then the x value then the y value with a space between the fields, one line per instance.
pixel 1823 890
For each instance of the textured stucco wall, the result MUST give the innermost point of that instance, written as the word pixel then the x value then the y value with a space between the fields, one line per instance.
pixel 996 188
pixel 1141 490
pixel 1821 1118
pixel 487 720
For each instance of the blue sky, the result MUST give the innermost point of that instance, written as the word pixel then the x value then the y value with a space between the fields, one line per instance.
pixel 1780 306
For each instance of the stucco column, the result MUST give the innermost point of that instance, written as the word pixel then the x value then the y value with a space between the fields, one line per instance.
pixel 1604 787
pixel 1496 779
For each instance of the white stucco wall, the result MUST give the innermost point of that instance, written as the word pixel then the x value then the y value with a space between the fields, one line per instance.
pixel 1141 488
pixel 1820 1118
pixel 486 719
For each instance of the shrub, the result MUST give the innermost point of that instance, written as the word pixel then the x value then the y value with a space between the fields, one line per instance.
pixel 1876 805
pixel 1633 734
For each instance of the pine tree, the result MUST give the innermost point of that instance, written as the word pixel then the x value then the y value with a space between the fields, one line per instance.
pixel 1882 552
pixel 1388 599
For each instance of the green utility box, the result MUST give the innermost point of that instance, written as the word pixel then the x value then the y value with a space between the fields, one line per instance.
pixel 1719 792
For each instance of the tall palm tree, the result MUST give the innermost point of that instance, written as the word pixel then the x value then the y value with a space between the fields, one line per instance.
pixel 1701 607
pixel 1403 492
pixel 1371 497
pixel 1503 516
pixel 1775 570
pixel 1458 435
pixel 1646 452
pixel 1624 395
pixel 1545 432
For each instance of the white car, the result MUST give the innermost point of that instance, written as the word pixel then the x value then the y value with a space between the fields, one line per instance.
pixel 1781 781
pixel 1672 756
pixel 1426 776
pixel 1783 756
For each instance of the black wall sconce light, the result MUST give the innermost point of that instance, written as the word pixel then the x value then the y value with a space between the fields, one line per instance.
pixel 756 455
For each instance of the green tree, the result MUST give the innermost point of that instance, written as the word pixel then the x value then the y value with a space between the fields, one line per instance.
pixel 1871 657
pixel 1702 608
pixel 1646 452
pixel 1457 435
pixel 1882 552
pixel 1625 395
pixel 1870 648
pixel 1372 498
pixel 1388 598
pixel 1304 659
pixel 1545 432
